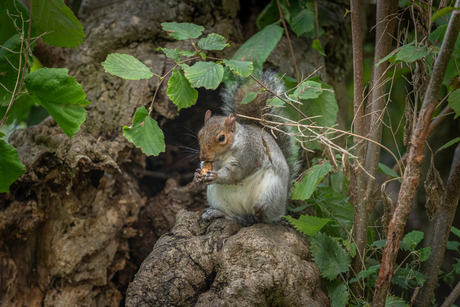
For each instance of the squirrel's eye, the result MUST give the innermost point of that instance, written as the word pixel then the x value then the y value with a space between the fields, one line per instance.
pixel 222 138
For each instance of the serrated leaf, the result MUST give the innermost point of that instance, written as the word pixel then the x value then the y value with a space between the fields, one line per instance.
pixel 448 144
pixel 379 243
pixel 365 273
pixel 443 12
pixel 455 231
pixel 313 176
pixel 456 266
pixel 308 90
pixel 408 53
pixel 303 22
pixel 394 301
pixel 241 68
pixel 10 166
pixel 317 45
pixel 425 253
pixel 126 66
pixel 453 245
pixel 173 54
pixel 54 17
pixel 62 96
pixel 387 171
pixel 412 239
pixel 338 293
pixel 259 46
pixel 180 91
pixel 8 73
pixel 145 133
pixel 206 74
pixel 181 31
pixel 329 256
pixel 332 205
pixel 213 42
pixel 308 225
pixel 188 53
pixel 249 97
pixel 454 102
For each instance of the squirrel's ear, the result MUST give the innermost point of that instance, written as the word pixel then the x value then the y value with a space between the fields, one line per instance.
pixel 230 122
pixel 207 116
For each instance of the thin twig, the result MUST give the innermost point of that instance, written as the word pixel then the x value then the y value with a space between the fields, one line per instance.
pixel 289 41
pixel 161 81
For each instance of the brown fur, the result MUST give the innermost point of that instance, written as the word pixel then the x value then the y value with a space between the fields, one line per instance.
pixel 214 127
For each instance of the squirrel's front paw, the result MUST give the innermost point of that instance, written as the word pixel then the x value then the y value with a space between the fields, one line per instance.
pixel 198 177
pixel 210 177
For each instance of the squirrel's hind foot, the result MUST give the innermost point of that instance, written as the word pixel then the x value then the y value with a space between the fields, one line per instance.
pixel 210 214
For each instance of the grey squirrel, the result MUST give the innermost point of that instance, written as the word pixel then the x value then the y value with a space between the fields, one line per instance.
pixel 244 180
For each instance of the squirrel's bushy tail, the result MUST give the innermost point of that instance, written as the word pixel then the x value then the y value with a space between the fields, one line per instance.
pixel 257 108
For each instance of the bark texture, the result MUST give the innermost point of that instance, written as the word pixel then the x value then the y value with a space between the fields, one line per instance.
pixel 75 228
pixel 223 264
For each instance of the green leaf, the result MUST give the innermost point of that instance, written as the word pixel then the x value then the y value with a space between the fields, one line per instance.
pixel 19 110
pixel 438 34
pixel 213 42
pixel 126 66
pixel 249 97
pixel 408 53
pixel 303 22
pixel 425 253
pixel 241 68
pixel 55 18
pixel 338 293
pixel 188 53
pixel 145 133
pixel 394 301
pixel 454 102
pixel 173 54
pixel 448 144
pixel 443 12
pixel 387 171
pixel 317 45
pixel 7 24
pixel 269 15
pixel 180 91
pixel 60 95
pixel 181 31
pixel 456 266
pixel 455 231
pixel 275 101
pixel 308 225
pixel 411 240
pixel 206 74
pixel 8 73
pixel 313 176
pixel 365 273
pixel 329 256
pixel 453 245
pixel 324 108
pixel 10 166
pixel 379 243
pixel 259 46
pixel 308 90
pixel 332 205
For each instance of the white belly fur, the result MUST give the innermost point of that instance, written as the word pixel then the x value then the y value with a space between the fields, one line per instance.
pixel 239 199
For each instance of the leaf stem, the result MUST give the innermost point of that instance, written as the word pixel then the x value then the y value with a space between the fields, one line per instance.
pixel 159 84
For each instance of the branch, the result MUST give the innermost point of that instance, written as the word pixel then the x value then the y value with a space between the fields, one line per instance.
pixel 414 164
pixel 364 185
pixel 358 106
pixel 450 300
pixel 442 226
